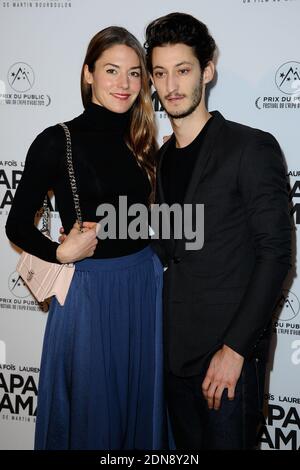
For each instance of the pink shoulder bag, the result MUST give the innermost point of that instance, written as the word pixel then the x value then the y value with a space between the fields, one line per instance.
pixel 45 279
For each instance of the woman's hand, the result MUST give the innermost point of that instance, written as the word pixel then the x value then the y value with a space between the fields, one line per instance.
pixel 63 236
pixel 77 244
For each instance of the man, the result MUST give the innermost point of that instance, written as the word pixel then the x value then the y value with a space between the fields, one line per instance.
pixel 218 300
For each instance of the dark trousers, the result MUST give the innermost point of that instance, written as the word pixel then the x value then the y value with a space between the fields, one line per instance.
pixel 233 426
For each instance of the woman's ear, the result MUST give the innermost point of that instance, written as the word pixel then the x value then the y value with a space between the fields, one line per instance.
pixel 88 76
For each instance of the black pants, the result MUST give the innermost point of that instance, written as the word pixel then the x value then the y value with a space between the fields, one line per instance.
pixel 233 426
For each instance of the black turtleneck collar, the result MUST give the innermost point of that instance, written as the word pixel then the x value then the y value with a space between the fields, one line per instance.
pixel 102 118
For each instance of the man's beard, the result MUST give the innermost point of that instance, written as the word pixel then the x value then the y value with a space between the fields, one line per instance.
pixel 196 99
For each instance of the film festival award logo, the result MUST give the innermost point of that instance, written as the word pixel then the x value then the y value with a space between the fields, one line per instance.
pixel 21 77
pixel 19 299
pixel 287 80
pixel 288 306
pixel 21 80
pixel 17 286
pixel 286 321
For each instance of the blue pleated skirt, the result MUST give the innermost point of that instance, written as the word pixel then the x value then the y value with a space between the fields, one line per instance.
pixel 101 378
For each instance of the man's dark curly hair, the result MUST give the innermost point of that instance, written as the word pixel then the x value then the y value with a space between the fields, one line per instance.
pixel 176 28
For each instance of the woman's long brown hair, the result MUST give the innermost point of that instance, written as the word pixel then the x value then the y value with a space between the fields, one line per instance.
pixel 141 138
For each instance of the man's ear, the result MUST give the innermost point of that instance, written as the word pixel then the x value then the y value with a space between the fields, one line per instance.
pixel 88 76
pixel 209 72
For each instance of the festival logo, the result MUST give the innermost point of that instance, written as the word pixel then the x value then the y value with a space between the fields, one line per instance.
pixel 20 77
pixel 20 90
pixel 286 320
pixel 288 306
pixel 17 286
pixel 287 78
pixel 287 81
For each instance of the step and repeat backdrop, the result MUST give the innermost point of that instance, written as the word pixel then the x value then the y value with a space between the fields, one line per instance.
pixel 42 46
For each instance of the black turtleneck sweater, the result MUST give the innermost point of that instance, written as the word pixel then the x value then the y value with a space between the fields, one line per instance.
pixel 104 169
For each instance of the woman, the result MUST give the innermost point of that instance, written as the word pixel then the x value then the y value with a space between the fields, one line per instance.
pixel 101 371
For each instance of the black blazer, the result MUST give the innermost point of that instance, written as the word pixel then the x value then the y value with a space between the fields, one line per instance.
pixel 225 292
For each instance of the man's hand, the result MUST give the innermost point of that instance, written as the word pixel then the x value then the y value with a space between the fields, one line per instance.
pixel 224 371
pixel 166 138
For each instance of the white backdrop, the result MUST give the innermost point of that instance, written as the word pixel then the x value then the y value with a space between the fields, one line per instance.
pixel 42 45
